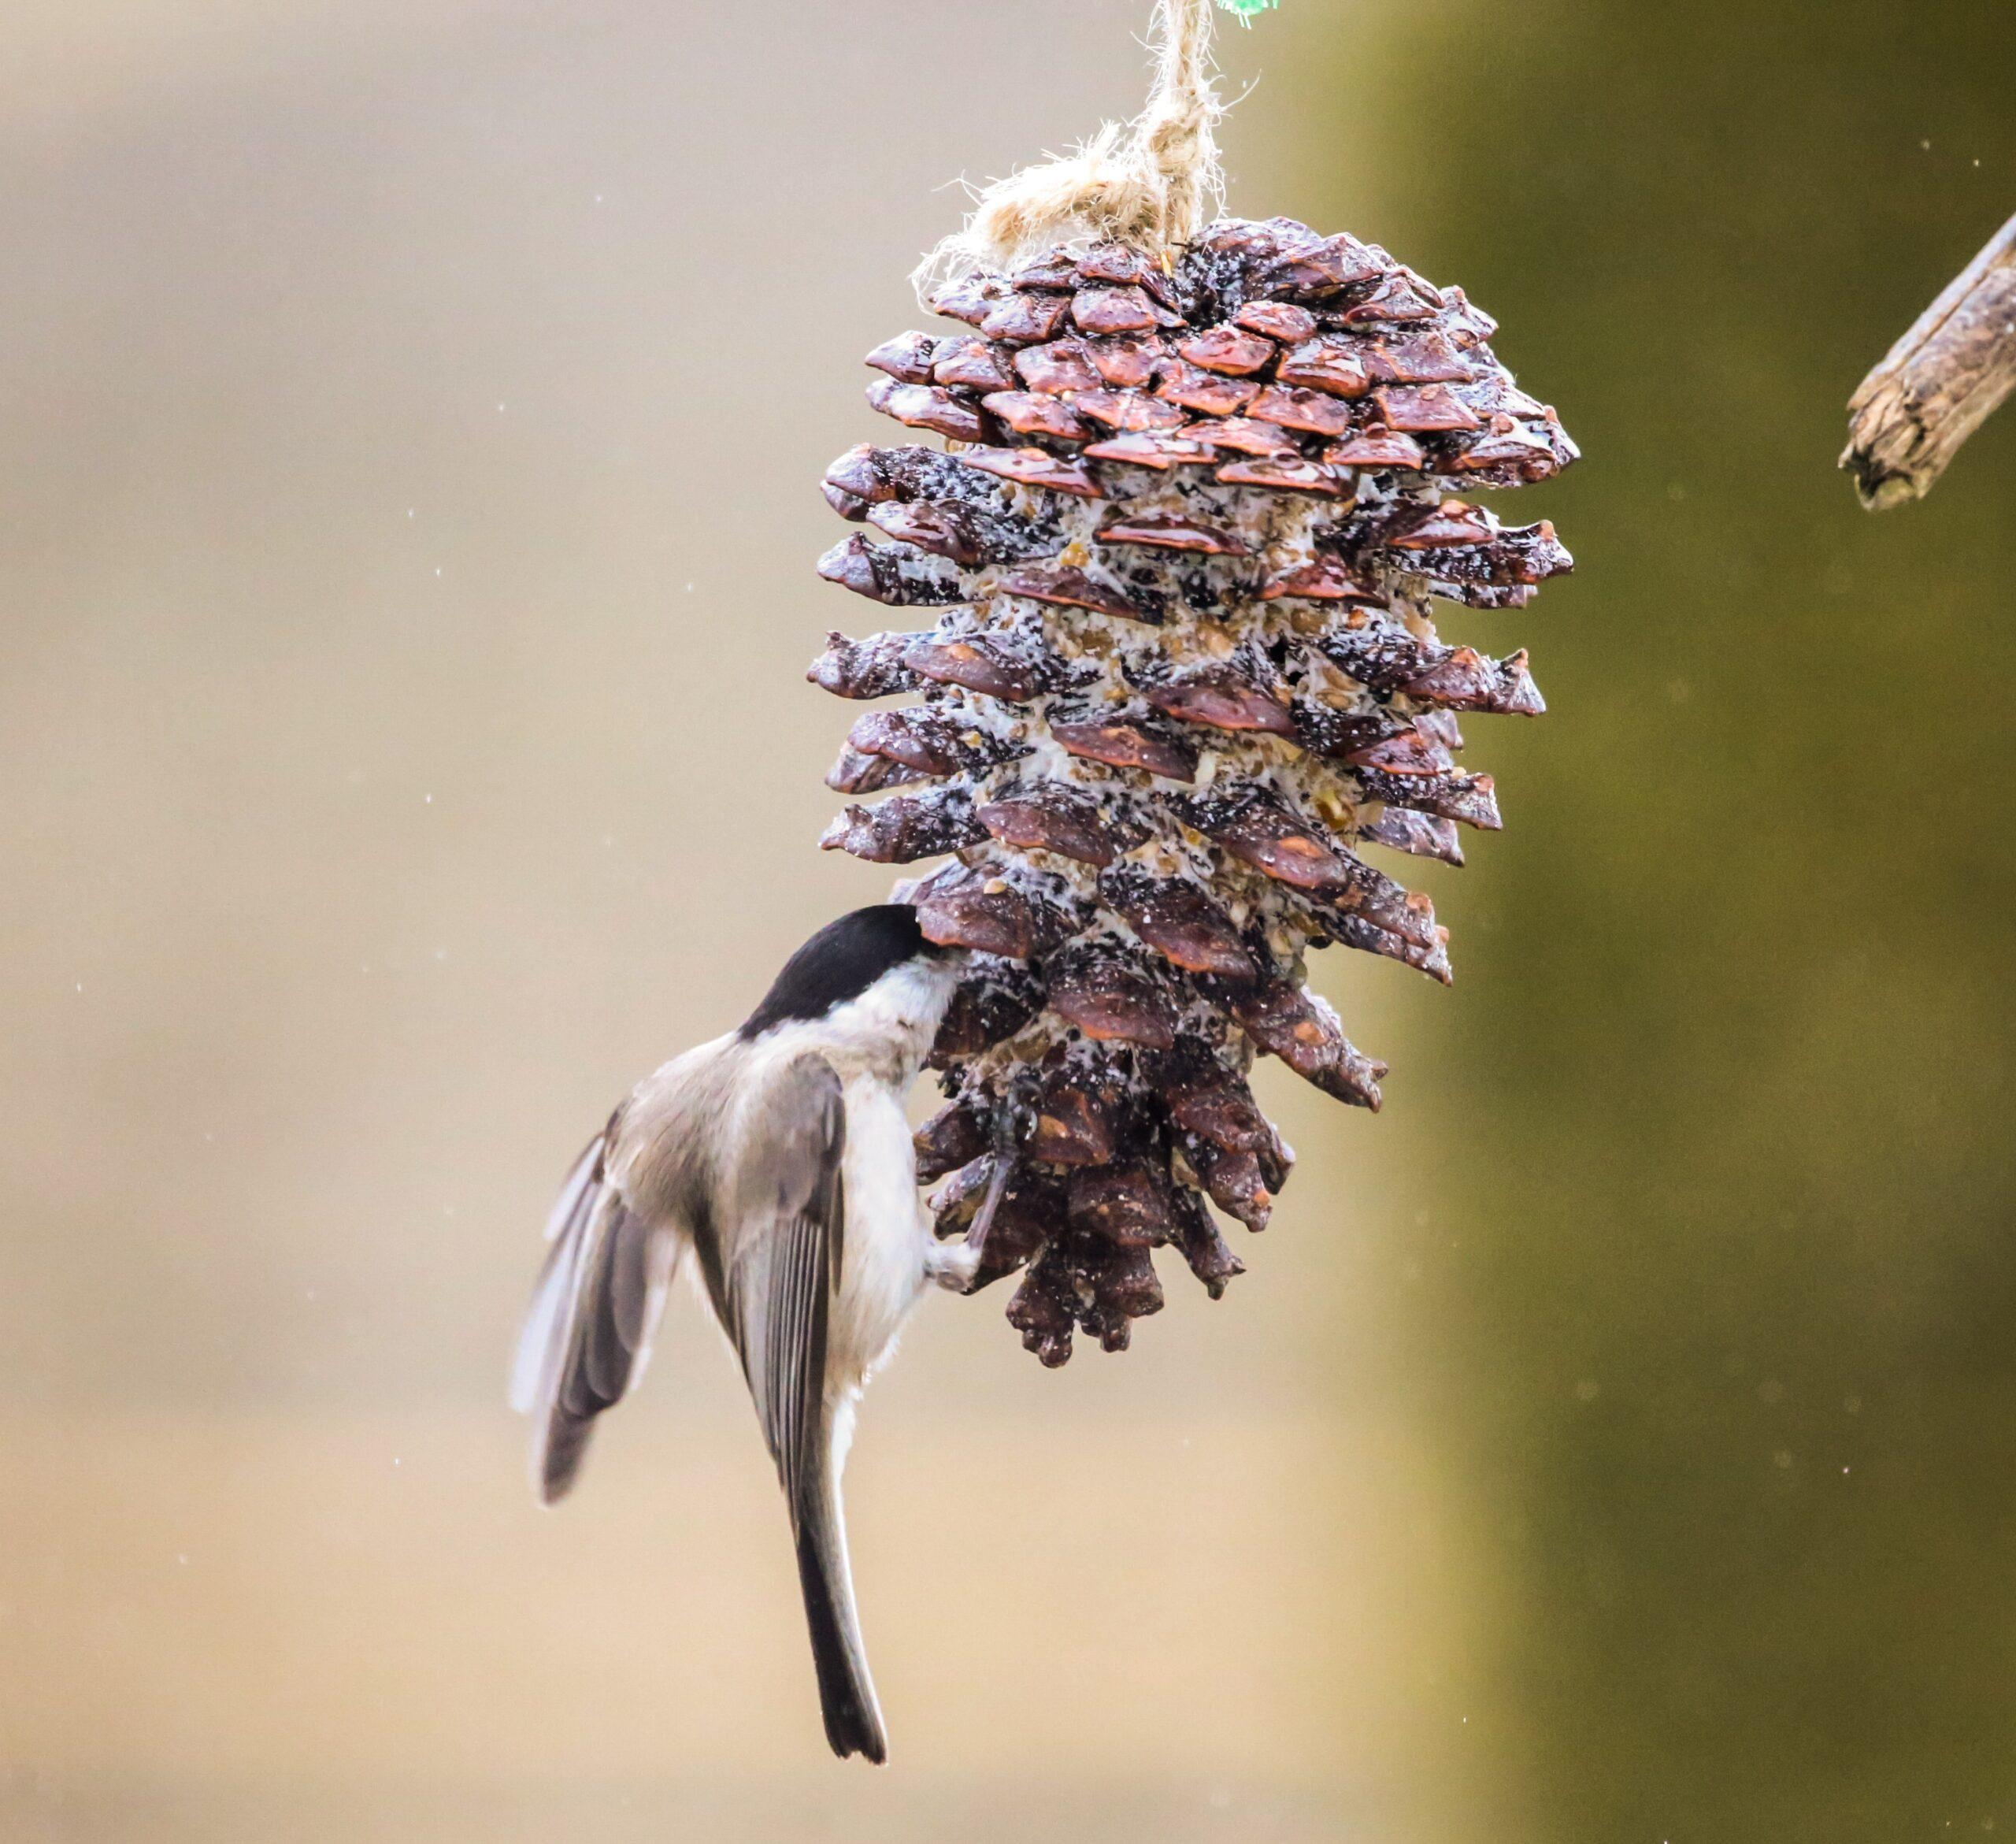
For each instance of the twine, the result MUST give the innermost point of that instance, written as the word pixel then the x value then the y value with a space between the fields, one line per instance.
pixel 1152 183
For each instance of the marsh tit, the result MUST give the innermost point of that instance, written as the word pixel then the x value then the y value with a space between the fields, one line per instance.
pixel 779 1157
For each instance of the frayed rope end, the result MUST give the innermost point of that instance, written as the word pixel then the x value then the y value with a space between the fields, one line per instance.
pixel 1152 184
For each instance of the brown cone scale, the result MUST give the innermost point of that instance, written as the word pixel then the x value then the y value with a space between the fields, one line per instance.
pixel 1182 710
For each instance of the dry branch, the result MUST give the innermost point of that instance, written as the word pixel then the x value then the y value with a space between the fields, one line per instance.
pixel 1938 384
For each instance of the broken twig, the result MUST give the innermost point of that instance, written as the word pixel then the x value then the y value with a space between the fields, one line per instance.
pixel 1938 384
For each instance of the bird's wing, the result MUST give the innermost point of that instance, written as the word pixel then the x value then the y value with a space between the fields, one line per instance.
pixel 780 1271
pixel 588 1334
pixel 782 1260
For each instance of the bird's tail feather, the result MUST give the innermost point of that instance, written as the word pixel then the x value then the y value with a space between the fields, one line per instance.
pixel 846 1693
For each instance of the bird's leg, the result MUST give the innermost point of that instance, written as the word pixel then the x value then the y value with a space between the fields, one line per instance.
pixel 967 1255
pixel 957 1268
pixel 1012 1120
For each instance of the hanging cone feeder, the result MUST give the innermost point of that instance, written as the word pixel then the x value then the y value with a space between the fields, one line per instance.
pixel 1180 713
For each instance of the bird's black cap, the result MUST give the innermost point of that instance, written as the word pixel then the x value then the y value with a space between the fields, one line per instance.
pixel 840 963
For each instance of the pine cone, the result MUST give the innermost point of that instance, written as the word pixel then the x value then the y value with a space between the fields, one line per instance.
pixel 1185 544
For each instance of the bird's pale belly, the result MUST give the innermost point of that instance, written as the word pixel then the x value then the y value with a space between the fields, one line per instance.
pixel 882 1270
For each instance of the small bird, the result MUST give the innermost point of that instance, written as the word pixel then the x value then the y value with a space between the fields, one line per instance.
pixel 780 1156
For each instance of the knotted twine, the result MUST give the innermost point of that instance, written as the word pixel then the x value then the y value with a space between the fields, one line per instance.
pixel 1152 184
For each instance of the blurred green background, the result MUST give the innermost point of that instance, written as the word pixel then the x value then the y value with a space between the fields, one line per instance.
pixel 1729 1325
pixel 414 417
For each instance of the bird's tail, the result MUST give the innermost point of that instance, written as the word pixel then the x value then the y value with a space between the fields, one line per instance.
pixel 846 1693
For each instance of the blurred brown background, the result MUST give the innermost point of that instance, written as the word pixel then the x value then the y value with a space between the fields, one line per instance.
pixel 407 500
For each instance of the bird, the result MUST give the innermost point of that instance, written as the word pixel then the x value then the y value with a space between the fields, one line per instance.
pixel 778 1158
